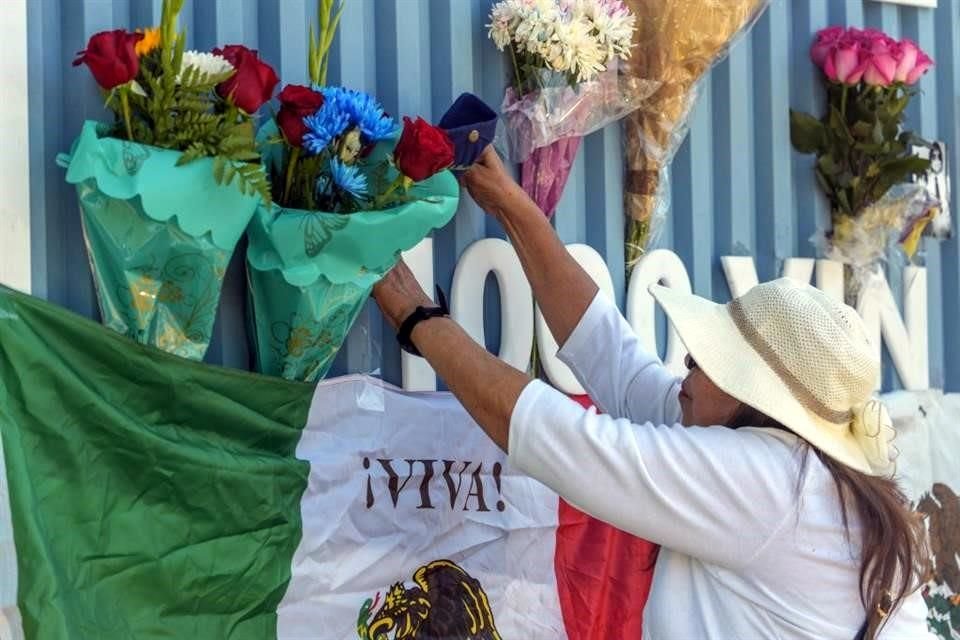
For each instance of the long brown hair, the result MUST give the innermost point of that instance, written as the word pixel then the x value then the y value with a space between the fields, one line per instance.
pixel 894 555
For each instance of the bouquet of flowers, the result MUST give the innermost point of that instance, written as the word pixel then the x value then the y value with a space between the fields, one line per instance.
pixel 677 42
pixel 349 194
pixel 864 156
pixel 566 82
pixel 167 188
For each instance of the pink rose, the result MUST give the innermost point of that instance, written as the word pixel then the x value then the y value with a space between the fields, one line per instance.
pixel 824 43
pixel 872 36
pixel 868 37
pixel 853 34
pixel 880 66
pixel 906 53
pixel 924 62
pixel 843 64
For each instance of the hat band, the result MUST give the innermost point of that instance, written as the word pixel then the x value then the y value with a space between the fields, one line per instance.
pixel 766 352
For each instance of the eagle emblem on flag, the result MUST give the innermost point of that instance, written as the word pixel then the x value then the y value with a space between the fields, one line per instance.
pixel 445 603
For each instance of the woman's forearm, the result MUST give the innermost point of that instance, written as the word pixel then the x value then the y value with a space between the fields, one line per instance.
pixel 561 286
pixel 487 387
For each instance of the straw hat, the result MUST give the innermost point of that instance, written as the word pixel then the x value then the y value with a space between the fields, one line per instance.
pixel 791 352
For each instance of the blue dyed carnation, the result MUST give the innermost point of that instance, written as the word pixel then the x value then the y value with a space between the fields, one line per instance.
pixel 348 178
pixel 367 114
pixel 323 126
pixel 344 109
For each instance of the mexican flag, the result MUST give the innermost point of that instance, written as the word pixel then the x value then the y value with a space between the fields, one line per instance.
pixel 146 496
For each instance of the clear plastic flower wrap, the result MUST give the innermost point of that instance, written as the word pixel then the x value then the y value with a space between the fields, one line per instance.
pixel 648 233
pixel 552 113
pixel 544 127
pixel 861 242
pixel 676 43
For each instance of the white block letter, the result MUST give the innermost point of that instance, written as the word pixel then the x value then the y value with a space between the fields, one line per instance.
pixel 663 267
pixel 516 298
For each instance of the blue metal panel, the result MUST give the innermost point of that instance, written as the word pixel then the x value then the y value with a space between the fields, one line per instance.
pixel 692 197
pixel 775 220
pixel 806 94
pixel 736 186
pixel 946 24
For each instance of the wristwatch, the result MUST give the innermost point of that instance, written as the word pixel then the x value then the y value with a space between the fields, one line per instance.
pixel 419 315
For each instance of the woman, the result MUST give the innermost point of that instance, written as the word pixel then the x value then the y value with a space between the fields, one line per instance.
pixel 781 522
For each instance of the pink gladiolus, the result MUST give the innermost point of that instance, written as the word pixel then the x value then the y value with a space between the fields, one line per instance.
pixel 924 62
pixel 880 66
pixel 824 43
pixel 843 64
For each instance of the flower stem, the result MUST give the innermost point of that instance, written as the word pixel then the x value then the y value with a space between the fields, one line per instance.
pixel 294 156
pixel 843 103
pixel 382 199
pixel 636 243
pixel 516 71
pixel 125 105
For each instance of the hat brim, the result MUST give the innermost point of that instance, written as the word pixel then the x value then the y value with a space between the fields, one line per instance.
pixel 713 340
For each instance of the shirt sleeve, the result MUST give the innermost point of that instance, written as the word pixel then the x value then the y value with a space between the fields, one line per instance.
pixel 712 493
pixel 622 378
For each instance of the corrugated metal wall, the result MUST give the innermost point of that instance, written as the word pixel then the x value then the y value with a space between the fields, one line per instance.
pixel 737 188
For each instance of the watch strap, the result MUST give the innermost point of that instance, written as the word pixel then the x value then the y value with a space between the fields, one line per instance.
pixel 418 315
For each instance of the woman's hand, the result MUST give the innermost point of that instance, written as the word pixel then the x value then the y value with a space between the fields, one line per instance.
pixel 492 187
pixel 561 287
pixel 398 294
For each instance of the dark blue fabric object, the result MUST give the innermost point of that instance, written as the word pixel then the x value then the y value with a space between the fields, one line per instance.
pixel 471 125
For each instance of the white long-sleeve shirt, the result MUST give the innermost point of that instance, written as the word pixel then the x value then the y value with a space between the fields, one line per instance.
pixel 753 541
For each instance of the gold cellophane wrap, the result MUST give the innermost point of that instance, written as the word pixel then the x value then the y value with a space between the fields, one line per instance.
pixel 677 42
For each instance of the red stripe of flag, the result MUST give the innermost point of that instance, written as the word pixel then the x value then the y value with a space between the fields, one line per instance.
pixel 603 575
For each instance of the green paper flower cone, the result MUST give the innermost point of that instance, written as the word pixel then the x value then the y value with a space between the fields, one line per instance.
pixel 159 238
pixel 310 272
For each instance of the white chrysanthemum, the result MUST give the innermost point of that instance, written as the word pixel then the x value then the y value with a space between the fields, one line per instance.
pixel 504 18
pixel 612 26
pixel 576 37
pixel 546 8
pixel 557 56
pixel 538 19
pixel 532 31
pixel 500 34
pixel 207 63
pixel 584 51
pixel 617 30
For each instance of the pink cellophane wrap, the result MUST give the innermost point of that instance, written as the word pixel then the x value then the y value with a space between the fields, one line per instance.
pixel 544 174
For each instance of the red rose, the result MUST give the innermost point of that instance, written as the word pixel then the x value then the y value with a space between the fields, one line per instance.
pixel 296 103
pixel 112 57
pixel 254 81
pixel 423 149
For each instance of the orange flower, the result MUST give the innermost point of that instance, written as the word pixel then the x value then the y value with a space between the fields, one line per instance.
pixel 150 41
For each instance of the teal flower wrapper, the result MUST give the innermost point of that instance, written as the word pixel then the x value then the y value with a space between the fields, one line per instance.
pixel 159 238
pixel 310 272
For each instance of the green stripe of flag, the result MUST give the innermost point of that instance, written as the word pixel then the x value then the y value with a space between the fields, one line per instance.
pixel 151 497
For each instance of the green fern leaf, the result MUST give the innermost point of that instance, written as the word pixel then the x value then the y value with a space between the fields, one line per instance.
pixel 229 173
pixel 219 165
